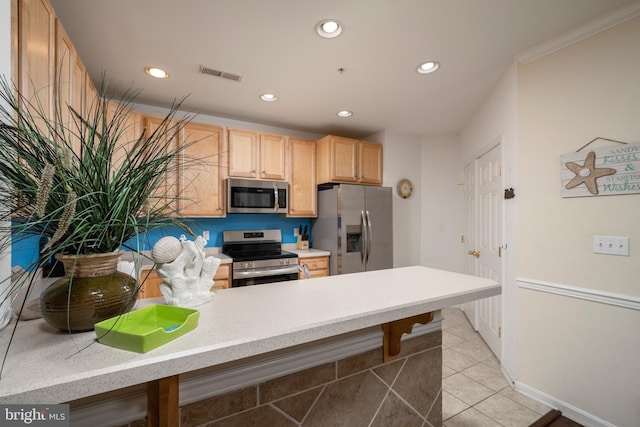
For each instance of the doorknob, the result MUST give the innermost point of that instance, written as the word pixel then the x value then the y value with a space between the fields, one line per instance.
pixel 474 253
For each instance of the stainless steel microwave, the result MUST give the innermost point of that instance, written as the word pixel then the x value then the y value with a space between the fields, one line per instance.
pixel 257 196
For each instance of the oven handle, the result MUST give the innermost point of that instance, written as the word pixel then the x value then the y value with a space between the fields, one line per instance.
pixel 266 272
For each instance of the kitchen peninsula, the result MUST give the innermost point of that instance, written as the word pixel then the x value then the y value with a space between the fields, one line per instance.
pixel 254 332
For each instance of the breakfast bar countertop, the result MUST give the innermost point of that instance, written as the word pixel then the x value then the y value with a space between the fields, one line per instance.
pixel 49 366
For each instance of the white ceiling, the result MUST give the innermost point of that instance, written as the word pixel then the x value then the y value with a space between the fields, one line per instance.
pixel 273 45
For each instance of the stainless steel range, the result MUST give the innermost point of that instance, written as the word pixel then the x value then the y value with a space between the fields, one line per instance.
pixel 258 257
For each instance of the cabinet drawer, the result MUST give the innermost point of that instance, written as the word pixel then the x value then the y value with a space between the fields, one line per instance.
pixel 315 263
pixel 318 266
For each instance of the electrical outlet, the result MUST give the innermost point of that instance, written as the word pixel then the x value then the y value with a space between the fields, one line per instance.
pixel 296 232
pixel 205 235
pixel 611 245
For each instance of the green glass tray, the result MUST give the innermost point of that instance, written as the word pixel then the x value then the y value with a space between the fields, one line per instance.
pixel 147 328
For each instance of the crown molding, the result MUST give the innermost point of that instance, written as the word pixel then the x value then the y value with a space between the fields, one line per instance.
pixel 600 24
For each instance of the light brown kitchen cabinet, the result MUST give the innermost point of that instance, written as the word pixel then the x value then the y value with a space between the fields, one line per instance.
pixel 167 190
pixel 71 77
pixel 150 281
pixel 301 175
pixel 201 179
pixel 346 160
pixel 369 163
pixel 36 53
pixel 131 130
pixel 256 155
pixel 198 184
pixel 318 266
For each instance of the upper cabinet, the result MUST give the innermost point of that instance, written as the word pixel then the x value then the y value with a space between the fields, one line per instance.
pixel 197 185
pixel 201 179
pixel 301 175
pixel 256 155
pixel 346 160
pixel 369 163
pixel 37 52
pixel 167 190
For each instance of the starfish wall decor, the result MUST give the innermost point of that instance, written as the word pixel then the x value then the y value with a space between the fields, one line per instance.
pixel 587 173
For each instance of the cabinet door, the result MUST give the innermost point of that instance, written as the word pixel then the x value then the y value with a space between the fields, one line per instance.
pixel 149 284
pixel 200 179
pixel 303 191
pixel 167 189
pixel 344 153
pixel 370 162
pixel 221 280
pixel 36 56
pixel 131 129
pixel 272 156
pixel 67 87
pixel 243 153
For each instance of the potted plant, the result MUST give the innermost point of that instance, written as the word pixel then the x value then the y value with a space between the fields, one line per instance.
pixel 75 182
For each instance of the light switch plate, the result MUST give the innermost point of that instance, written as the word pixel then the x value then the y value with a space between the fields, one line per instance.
pixel 611 245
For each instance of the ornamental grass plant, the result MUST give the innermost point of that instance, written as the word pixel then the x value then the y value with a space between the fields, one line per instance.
pixel 77 181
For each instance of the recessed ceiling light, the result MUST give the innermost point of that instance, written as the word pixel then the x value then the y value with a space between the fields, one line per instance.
pixel 329 28
pixel 158 73
pixel 345 113
pixel 428 67
pixel 269 97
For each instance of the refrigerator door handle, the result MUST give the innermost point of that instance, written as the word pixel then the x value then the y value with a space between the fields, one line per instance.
pixel 369 234
pixel 365 237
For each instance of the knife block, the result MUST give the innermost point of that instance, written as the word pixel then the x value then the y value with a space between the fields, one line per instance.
pixel 302 244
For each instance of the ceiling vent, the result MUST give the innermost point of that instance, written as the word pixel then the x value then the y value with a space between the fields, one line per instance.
pixel 217 73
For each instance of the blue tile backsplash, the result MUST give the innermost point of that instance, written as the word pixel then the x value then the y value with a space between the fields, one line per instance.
pixel 25 251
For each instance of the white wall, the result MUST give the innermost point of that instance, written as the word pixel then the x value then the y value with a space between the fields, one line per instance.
pixel 441 218
pixel 5 72
pixel 581 354
pixel 402 160
pixel 495 122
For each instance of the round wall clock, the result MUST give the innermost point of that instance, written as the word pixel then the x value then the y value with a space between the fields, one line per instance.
pixel 405 188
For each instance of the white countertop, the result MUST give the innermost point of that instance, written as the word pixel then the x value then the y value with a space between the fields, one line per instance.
pixel 45 366
pixel 306 253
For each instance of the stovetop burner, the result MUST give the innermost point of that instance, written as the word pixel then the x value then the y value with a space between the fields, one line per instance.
pixel 254 245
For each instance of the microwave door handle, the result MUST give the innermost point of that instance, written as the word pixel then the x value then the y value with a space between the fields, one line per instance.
pixel 276 204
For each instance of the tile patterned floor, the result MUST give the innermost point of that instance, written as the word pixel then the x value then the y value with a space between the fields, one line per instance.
pixel 474 391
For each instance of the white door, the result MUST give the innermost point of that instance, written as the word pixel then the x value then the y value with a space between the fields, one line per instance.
pixel 469 226
pixel 484 231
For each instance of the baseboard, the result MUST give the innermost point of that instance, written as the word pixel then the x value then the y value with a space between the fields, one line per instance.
pixel 568 410
pixel 593 295
pixel 119 408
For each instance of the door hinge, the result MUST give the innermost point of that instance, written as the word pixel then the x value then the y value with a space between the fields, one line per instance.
pixel 499 331
pixel 462 239
pixel 499 170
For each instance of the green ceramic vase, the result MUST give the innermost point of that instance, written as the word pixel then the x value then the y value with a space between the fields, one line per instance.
pixel 91 291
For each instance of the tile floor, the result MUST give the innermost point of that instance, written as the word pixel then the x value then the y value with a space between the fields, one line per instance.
pixel 474 390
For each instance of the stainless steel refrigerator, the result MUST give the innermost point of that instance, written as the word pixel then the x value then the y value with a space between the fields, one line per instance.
pixel 355 224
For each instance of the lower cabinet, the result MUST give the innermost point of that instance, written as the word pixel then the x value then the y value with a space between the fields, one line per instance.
pixel 318 266
pixel 150 281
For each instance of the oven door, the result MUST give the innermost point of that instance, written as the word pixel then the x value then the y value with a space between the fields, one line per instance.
pixel 260 276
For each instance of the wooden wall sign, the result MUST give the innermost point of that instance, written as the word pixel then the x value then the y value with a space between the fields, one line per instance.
pixel 601 172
